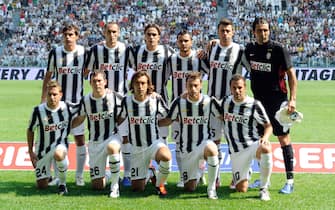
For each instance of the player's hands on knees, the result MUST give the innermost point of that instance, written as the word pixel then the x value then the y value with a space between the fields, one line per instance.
pixel 264 141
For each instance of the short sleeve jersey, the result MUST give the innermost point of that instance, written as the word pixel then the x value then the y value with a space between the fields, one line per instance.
pixel 268 63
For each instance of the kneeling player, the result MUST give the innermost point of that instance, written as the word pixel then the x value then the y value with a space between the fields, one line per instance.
pixel 193 113
pixel 52 120
pixel 101 108
pixel 242 118
pixel 142 109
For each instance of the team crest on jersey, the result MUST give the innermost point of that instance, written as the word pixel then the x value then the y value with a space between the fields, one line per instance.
pixel 268 55
pixel 47 118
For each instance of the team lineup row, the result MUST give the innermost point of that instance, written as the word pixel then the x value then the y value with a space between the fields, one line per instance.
pixel 142 137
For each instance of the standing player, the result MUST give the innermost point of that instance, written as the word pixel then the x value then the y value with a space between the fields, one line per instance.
pixel 225 58
pixel 101 109
pixel 52 121
pixel 142 110
pixel 270 63
pixel 113 58
pixel 152 58
pixel 179 65
pixel 66 63
pixel 193 115
pixel 242 115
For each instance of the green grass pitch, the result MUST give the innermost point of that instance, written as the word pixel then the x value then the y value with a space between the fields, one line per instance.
pixel 316 100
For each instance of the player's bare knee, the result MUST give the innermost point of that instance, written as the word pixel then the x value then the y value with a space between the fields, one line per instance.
pixel 163 154
pixel 242 189
pixel 59 155
pixel 211 150
pixel 138 185
pixel 113 148
pixel 98 184
pixel 190 186
pixel 242 186
pixel 266 148
pixel 42 183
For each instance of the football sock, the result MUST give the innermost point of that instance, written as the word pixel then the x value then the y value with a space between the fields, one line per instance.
pixel 114 165
pixel 213 167
pixel 220 160
pixel 288 160
pixel 163 172
pixel 55 168
pixel 265 169
pixel 126 155
pixel 178 160
pixel 62 168
pixel 81 158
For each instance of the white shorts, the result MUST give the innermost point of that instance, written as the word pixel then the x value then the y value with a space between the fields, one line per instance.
pixel 191 161
pixel 43 166
pixel 164 131
pixel 98 154
pixel 79 130
pixel 123 128
pixel 240 162
pixel 175 131
pixel 216 128
pixel 141 157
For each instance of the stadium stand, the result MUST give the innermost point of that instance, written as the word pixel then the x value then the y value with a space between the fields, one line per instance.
pixel 30 28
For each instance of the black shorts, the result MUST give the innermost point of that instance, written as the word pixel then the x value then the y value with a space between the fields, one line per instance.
pixel 272 105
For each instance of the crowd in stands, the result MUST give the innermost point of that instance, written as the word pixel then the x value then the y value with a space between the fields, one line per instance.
pixel 29 31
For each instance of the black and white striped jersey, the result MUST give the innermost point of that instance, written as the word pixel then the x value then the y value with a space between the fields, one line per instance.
pixel 101 115
pixel 178 67
pixel 154 62
pixel 52 125
pixel 194 121
pixel 143 118
pixel 241 121
pixel 224 62
pixel 68 69
pixel 114 62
